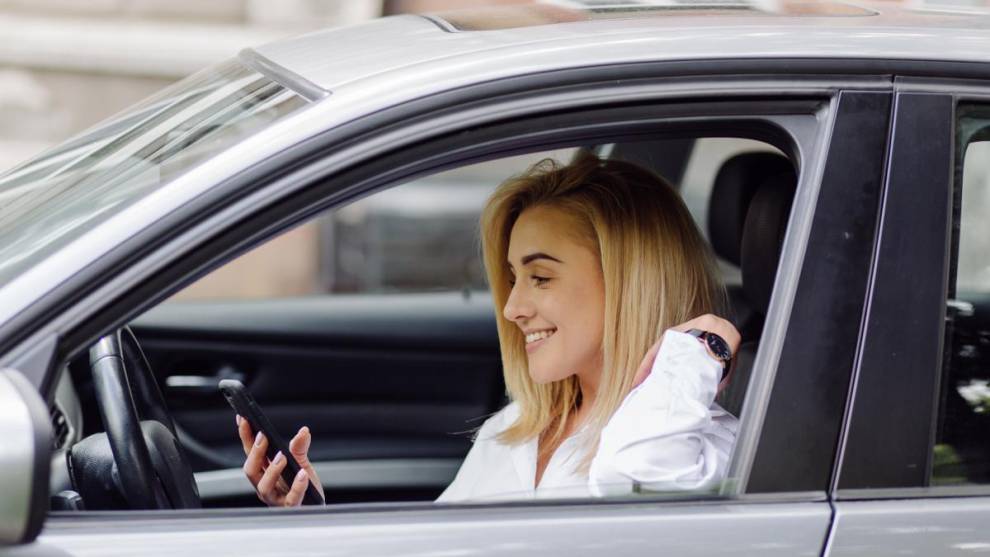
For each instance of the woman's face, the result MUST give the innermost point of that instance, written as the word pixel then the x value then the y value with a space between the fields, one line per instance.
pixel 558 296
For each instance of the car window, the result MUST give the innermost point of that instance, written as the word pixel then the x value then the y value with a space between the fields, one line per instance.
pixel 357 271
pixel 961 452
pixel 420 236
pixel 53 199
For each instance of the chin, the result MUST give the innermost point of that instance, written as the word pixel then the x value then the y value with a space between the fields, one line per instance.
pixel 544 376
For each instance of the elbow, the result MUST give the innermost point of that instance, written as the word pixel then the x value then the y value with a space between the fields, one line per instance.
pixel 693 466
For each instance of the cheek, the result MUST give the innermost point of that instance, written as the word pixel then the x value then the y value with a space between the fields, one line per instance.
pixel 578 315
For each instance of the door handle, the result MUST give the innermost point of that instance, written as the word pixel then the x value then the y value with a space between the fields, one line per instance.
pixel 194 384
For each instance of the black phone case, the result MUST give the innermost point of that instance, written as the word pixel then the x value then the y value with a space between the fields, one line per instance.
pixel 243 403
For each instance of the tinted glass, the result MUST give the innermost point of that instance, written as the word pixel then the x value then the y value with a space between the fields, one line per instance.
pixel 67 191
pixel 962 438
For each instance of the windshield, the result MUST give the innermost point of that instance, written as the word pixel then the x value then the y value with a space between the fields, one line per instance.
pixel 53 199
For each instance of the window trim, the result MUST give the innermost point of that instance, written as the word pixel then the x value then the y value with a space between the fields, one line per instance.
pixel 732 117
pixel 876 442
pixel 140 288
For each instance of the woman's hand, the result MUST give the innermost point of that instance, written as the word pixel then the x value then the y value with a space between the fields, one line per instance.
pixel 707 322
pixel 266 477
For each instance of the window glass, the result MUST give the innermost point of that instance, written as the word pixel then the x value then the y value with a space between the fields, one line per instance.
pixel 962 437
pixel 418 237
pixel 53 199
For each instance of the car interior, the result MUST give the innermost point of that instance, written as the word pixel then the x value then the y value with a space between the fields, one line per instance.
pixel 392 383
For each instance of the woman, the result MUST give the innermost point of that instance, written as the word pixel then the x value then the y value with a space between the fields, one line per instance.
pixel 588 264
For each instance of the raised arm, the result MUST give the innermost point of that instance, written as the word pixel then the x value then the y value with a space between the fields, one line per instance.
pixel 668 434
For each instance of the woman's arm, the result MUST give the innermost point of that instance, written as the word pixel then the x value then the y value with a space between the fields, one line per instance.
pixel 666 435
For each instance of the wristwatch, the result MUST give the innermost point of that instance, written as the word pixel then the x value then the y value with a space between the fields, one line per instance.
pixel 716 346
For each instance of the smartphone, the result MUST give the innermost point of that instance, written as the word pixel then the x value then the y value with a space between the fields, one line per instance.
pixel 244 404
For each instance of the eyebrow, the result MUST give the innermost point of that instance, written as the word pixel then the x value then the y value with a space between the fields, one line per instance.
pixel 534 256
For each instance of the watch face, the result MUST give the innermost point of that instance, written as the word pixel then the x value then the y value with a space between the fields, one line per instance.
pixel 718 346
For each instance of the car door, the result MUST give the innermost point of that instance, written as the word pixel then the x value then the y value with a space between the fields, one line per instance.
pixel 915 470
pixel 387 383
pixel 776 499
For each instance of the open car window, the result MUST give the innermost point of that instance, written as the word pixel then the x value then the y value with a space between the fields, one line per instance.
pixel 372 325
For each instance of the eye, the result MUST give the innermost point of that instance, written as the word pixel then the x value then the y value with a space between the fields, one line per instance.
pixel 540 281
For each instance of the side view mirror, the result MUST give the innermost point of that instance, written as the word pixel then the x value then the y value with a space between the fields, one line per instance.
pixel 25 461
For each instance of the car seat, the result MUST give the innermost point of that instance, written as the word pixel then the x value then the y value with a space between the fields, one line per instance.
pixel 747 218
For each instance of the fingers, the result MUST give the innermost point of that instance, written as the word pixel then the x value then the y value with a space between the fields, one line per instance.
pixel 299 447
pixel 245 433
pixel 255 463
pixel 295 495
pixel 267 486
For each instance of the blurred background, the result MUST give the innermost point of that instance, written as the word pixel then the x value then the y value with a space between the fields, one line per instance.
pixel 68 64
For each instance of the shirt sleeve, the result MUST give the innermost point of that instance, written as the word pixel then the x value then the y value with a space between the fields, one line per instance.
pixel 667 434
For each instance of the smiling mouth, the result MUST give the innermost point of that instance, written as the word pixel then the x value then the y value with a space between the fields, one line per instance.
pixel 538 336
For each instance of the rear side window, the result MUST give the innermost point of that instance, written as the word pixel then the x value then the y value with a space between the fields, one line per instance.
pixel 961 452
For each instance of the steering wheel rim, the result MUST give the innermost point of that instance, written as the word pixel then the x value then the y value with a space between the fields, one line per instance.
pixel 126 392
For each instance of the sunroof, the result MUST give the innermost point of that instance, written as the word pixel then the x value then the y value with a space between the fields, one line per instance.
pixel 549 12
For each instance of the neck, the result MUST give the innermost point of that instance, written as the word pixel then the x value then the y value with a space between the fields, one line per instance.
pixel 589 389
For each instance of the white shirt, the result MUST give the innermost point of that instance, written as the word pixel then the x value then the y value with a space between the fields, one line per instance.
pixel 668 434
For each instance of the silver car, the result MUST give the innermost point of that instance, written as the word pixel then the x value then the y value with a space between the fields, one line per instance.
pixel 837 157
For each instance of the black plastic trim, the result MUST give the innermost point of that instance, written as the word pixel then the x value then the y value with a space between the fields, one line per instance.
pixel 889 437
pixel 800 432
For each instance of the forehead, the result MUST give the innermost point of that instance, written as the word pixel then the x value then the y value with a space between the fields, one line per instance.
pixel 545 229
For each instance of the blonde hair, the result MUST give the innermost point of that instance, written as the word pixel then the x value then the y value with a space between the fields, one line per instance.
pixel 658 272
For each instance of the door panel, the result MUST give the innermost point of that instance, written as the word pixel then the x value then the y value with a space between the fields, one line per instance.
pixel 911 527
pixel 379 379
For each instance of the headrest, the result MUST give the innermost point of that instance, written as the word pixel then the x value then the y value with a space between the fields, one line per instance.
pixel 763 238
pixel 735 184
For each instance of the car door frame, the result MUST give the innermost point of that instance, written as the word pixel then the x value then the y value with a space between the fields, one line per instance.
pixel 884 502
pixel 808 508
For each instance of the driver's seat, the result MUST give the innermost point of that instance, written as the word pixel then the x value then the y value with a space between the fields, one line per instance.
pixel 766 190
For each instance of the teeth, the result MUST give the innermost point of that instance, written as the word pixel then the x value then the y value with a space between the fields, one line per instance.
pixel 539 335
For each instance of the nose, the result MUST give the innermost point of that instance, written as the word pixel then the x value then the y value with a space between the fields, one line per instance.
pixel 517 306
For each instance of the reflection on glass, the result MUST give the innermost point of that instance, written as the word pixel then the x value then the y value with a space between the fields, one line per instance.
pixel 53 199
pixel 961 452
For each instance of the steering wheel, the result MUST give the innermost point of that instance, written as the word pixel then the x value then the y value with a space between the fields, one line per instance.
pixel 150 464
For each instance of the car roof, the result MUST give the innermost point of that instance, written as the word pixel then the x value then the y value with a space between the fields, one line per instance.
pixel 485 43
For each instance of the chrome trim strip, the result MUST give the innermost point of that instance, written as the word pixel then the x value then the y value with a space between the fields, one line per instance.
pixel 345 474
pixel 279 74
pixel 781 303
